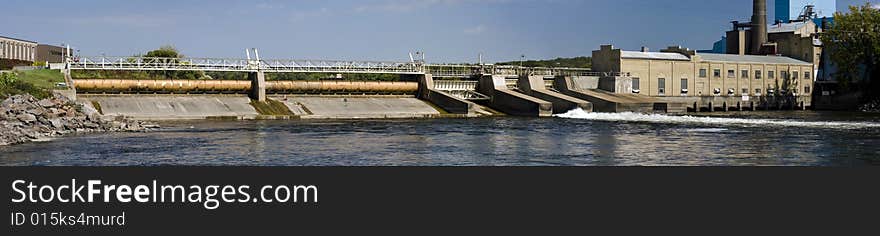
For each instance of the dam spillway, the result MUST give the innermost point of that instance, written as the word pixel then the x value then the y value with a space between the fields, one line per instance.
pixel 206 99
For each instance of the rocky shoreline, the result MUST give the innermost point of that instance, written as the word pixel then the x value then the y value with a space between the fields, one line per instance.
pixel 872 106
pixel 24 118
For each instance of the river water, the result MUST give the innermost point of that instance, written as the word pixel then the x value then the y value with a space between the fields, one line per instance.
pixel 788 138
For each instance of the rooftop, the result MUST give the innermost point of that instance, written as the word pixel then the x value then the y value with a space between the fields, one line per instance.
pixel 22 40
pixel 713 57
pixel 785 27
pixel 654 55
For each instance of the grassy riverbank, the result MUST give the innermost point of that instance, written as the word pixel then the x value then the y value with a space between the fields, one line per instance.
pixel 38 83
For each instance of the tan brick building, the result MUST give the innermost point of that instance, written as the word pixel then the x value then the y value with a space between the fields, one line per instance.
pixel 680 72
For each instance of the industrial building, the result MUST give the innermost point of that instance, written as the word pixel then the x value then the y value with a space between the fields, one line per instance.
pixel 17 49
pixel 790 10
pixel 765 66
pixel 50 53
pixel 681 72
pixel 795 39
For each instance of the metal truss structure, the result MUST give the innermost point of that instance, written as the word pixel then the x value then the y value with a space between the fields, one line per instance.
pixel 317 66
pixel 466 71
pixel 242 65
pixel 464 89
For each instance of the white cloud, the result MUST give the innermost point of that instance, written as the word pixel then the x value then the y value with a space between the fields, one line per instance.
pixel 303 15
pixel 475 30
pixel 407 6
pixel 269 6
pixel 134 20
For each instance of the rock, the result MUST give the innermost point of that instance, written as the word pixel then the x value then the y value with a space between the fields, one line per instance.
pixel 89 110
pixel 56 122
pixel 24 118
pixel 27 118
pixel 47 103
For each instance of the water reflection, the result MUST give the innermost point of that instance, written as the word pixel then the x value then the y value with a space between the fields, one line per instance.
pixel 482 142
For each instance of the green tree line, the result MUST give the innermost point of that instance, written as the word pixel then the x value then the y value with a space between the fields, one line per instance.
pixel 574 62
pixel 854 45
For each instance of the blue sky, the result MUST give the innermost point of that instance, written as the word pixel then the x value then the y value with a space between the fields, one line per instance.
pixel 447 30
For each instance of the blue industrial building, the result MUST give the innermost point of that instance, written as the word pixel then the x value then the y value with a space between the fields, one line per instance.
pixel 787 10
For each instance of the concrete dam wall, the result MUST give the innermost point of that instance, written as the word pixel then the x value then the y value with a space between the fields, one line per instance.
pixel 206 99
pixel 172 107
pixel 357 107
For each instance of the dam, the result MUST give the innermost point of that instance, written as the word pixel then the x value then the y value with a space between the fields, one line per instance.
pixel 420 90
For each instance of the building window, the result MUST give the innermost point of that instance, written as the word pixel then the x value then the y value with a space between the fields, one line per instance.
pixel 717 91
pixel 661 86
pixel 807 89
pixel 794 75
pixel 757 74
pixel 731 92
pixel 716 73
pixel 807 75
pixel 684 86
pixel 703 73
pixel 635 85
pixel 745 91
pixel 771 74
pixel 731 74
pixel 757 92
pixel 783 74
pixel 744 74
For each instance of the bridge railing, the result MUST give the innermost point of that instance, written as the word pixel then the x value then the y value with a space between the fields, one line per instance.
pixel 342 66
pixel 463 71
pixel 214 64
pixel 320 66
pixel 158 63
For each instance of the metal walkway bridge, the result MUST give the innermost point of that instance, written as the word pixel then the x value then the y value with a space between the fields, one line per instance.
pixel 311 66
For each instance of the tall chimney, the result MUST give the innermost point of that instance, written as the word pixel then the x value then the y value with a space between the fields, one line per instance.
pixel 759 26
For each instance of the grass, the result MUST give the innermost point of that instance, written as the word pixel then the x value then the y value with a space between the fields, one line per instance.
pixel 37 83
pixel 272 108
pixel 97 107
pixel 43 79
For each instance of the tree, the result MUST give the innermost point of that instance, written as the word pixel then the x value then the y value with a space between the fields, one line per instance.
pixel 166 51
pixel 853 42
pixel 575 62
pixel 169 51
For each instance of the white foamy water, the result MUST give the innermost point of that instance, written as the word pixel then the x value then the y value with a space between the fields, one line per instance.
pixel 707 130
pixel 668 119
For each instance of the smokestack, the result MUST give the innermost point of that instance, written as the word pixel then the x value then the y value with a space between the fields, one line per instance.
pixel 759 26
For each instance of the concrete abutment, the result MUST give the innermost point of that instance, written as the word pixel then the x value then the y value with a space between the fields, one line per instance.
pixel 511 102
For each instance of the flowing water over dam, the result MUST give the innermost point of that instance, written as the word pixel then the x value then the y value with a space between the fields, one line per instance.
pixel 799 138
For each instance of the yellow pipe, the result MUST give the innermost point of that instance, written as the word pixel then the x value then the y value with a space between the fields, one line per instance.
pixel 327 86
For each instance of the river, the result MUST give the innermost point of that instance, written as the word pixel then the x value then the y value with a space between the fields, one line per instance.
pixel 786 138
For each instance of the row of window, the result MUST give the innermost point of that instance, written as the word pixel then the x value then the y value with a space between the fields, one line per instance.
pixel 757 91
pixel 661 88
pixel 745 74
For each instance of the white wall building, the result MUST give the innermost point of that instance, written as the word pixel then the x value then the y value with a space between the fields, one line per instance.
pixel 17 49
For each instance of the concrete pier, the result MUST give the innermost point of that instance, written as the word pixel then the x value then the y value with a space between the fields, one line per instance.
pixel 534 86
pixel 443 100
pixel 586 88
pixel 511 102
pixel 258 85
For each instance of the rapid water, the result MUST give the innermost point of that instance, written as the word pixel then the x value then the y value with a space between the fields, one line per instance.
pixel 792 138
pixel 723 121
